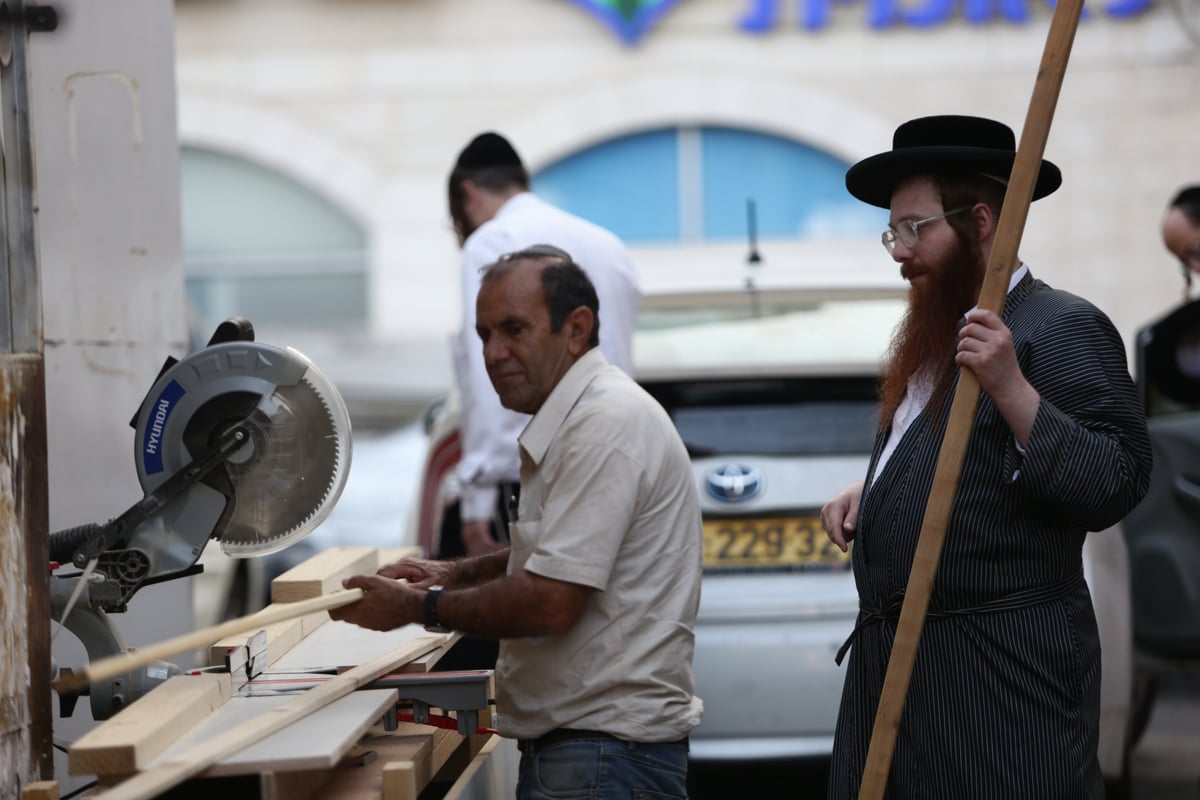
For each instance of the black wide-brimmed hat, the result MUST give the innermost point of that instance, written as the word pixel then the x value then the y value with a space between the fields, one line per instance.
pixel 943 144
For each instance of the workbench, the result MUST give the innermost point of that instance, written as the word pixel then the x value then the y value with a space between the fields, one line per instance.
pixel 353 747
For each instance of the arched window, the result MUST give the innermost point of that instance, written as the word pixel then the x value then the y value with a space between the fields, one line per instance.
pixel 260 245
pixel 699 184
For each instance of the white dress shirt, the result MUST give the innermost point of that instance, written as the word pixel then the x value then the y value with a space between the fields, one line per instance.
pixel 489 431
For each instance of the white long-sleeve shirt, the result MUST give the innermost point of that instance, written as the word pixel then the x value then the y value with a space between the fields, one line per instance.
pixel 490 431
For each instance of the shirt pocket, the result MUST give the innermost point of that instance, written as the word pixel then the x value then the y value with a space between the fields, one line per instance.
pixel 523 537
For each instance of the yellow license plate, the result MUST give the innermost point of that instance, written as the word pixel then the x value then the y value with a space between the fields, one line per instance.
pixel 799 542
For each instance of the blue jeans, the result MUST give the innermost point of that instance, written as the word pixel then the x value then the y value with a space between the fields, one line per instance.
pixel 604 769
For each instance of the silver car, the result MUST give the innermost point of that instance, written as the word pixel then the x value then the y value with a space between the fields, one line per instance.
pixel 776 404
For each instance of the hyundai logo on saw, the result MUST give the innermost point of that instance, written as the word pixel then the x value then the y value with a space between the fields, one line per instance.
pixel 734 483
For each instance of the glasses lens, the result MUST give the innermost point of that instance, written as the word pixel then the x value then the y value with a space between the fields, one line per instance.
pixel 889 240
pixel 907 233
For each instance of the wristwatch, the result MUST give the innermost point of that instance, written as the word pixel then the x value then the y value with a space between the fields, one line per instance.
pixel 432 623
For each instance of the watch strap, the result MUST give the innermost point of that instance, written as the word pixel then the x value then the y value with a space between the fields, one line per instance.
pixel 433 623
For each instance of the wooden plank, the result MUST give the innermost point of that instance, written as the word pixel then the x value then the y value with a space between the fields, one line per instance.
pixel 153 782
pixel 427 662
pixel 24 546
pixel 311 622
pixel 400 781
pixel 318 741
pixel 456 760
pixel 323 573
pixel 130 740
pixel 424 747
pixel 115 666
pixel 40 790
pixel 291 785
pixel 490 773
pixel 281 637
pixel 342 644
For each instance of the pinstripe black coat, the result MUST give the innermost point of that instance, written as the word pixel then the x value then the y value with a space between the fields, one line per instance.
pixel 1004 700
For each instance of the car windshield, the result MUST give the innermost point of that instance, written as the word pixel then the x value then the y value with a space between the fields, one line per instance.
pixel 818 428
pixel 789 415
pixel 829 335
pixel 790 374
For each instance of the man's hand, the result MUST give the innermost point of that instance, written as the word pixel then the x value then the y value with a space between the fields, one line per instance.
pixel 985 347
pixel 839 517
pixel 386 603
pixel 419 572
pixel 477 537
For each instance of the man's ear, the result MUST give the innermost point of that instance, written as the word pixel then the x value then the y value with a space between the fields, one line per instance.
pixel 579 324
pixel 470 193
pixel 985 221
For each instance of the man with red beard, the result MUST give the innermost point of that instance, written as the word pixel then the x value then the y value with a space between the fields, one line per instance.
pixel 1004 698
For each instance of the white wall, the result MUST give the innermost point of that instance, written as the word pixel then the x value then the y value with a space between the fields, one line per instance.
pixel 370 100
pixel 106 151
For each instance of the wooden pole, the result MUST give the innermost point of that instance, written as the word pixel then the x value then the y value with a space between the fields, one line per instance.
pixel 1011 225
pixel 107 668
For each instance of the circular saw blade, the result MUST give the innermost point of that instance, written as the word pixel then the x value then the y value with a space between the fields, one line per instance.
pixel 274 489
pixel 288 477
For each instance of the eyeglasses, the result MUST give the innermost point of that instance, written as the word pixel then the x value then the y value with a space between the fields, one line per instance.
pixel 908 233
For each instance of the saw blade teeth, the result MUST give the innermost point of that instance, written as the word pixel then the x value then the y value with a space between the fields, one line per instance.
pixel 314 456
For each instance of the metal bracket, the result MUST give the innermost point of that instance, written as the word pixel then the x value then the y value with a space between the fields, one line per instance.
pixel 36 19
pixel 247 661
pixel 462 692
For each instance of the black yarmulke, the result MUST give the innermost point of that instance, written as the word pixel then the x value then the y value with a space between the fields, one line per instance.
pixel 488 150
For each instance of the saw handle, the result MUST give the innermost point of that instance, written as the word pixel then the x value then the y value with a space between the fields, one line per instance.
pixel 64 543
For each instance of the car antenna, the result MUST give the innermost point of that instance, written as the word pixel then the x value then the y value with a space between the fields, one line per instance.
pixel 753 259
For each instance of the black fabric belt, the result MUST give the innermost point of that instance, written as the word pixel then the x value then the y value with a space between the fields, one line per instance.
pixel 1009 602
pixel 530 746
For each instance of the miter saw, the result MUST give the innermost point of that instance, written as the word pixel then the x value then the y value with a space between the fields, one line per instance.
pixel 240 442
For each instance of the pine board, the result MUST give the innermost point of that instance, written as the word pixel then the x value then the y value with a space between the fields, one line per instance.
pixel 131 739
pixel 341 644
pixel 317 741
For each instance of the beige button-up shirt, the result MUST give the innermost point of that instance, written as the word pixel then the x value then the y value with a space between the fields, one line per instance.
pixel 608 500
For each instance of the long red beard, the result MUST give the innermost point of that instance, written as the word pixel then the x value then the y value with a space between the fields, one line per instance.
pixel 927 336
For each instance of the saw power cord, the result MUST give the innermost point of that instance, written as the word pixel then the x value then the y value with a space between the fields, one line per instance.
pixel 83 579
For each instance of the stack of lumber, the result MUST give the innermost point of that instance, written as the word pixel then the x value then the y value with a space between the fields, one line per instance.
pixel 323 742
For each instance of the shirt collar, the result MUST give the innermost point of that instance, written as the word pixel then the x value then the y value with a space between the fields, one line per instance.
pixel 515 203
pixel 539 433
pixel 1020 272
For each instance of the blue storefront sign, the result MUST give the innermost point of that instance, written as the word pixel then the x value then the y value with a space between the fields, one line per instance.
pixel 630 20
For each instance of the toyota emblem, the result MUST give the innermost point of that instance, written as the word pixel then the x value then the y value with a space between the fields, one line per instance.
pixel 734 483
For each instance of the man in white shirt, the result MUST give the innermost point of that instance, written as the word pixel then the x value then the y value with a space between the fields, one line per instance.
pixel 495 213
pixel 595 601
